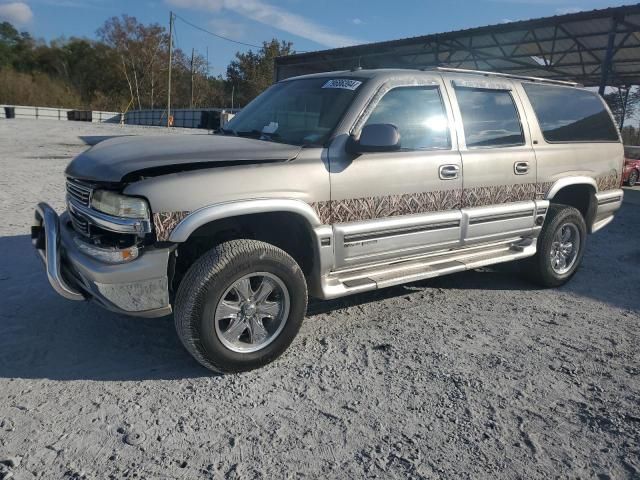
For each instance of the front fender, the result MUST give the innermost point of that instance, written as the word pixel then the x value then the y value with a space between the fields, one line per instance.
pixel 202 216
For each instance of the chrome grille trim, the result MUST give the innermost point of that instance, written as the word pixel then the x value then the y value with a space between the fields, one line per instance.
pixel 80 224
pixel 108 222
pixel 80 192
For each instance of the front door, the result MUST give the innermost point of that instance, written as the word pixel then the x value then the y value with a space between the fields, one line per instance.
pixel 403 203
pixel 498 161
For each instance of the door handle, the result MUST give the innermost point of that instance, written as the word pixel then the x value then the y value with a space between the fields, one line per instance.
pixel 449 172
pixel 521 168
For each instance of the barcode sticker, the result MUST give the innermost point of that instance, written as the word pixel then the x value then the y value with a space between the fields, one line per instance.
pixel 344 83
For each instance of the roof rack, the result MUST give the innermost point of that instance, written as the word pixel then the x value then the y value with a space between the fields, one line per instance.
pixel 507 75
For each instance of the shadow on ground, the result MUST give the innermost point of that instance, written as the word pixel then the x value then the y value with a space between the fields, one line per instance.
pixel 45 336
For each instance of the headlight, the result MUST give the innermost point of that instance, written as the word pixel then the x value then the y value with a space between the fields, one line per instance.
pixel 119 205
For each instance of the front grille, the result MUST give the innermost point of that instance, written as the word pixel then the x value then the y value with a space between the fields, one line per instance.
pixel 79 191
pixel 80 224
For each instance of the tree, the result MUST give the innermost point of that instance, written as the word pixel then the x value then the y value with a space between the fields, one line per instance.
pixel 252 72
pixel 127 67
pixel 139 47
pixel 616 102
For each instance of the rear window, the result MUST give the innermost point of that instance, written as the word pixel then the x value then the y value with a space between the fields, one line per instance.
pixel 489 118
pixel 571 115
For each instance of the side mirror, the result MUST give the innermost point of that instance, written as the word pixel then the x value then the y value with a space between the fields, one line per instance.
pixel 377 137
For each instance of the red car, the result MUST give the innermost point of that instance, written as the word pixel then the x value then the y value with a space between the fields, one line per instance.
pixel 631 172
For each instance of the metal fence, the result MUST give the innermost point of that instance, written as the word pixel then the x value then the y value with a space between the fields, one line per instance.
pixel 49 113
pixel 207 118
pixel 210 118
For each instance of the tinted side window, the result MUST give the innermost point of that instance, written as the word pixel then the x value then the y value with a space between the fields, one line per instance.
pixel 419 115
pixel 489 117
pixel 570 115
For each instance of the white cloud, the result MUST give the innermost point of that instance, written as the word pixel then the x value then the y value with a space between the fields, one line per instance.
pixel 564 11
pixel 18 13
pixel 228 28
pixel 272 16
pixel 357 21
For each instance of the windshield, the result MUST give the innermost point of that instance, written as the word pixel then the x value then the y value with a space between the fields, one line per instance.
pixel 298 112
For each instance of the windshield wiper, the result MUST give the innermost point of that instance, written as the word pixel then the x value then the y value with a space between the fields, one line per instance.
pixel 257 134
pixel 228 131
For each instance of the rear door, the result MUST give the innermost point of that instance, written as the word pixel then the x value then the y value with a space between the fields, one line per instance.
pixel 499 164
pixel 394 204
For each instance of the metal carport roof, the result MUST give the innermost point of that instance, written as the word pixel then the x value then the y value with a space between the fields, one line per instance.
pixel 595 48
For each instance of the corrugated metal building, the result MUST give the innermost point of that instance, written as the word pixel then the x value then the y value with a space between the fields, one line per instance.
pixel 595 48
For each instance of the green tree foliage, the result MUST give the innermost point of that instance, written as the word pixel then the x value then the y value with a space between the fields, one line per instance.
pixel 252 72
pixel 631 135
pixel 616 102
pixel 125 68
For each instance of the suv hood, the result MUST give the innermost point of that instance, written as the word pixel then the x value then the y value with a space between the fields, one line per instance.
pixel 114 159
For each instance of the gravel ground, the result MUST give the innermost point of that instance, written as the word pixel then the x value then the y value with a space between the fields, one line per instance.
pixel 475 375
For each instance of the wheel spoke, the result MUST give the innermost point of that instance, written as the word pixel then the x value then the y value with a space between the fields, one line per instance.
pixel 562 261
pixel 227 310
pixel 266 287
pixel 566 234
pixel 257 331
pixel 252 312
pixel 268 309
pixel 243 289
pixel 236 328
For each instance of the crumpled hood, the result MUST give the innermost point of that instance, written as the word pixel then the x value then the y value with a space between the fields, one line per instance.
pixel 111 160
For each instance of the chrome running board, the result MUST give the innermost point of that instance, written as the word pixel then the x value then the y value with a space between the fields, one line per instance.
pixel 372 277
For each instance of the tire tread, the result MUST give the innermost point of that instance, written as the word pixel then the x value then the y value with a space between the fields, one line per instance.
pixel 192 291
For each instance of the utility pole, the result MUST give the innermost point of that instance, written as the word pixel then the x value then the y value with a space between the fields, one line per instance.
pixel 193 51
pixel 170 60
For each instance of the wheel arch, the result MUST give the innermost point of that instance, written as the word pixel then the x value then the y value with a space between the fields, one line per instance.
pixel 577 192
pixel 287 224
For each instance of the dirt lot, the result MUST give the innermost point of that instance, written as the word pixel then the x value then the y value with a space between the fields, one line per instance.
pixel 476 375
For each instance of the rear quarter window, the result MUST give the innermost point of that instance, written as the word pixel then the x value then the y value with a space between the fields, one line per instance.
pixel 568 114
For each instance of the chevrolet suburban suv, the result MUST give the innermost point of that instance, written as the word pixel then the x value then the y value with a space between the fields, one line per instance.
pixel 329 185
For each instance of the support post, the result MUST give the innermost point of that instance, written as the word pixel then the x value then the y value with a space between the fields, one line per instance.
pixel 193 51
pixel 606 63
pixel 170 61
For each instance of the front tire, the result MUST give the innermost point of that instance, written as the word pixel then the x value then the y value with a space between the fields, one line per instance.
pixel 240 305
pixel 633 178
pixel 560 247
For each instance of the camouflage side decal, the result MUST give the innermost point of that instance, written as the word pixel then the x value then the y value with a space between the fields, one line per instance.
pixel 369 208
pixel 482 196
pixel 165 222
pixel 543 189
pixel 609 182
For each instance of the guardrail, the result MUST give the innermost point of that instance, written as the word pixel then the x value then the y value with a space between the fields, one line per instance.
pixel 206 118
pixel 209 118
pixel 50 113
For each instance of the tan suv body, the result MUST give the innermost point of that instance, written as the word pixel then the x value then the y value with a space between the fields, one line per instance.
pixel 342 182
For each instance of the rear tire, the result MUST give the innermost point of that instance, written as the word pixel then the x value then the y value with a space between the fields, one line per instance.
pixel 633 178
pixel 221 316
pixel 560 247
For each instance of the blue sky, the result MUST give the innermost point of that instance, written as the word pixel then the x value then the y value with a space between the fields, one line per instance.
pixel 310 25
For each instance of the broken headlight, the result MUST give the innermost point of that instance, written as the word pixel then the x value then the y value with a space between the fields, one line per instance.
pixel 113 203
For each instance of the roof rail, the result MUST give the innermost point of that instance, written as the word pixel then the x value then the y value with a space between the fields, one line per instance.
pixel 507 75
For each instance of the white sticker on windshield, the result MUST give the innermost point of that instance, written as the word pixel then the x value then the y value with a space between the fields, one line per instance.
pixel 345 83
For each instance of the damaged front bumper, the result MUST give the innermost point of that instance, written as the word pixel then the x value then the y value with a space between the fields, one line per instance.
pixel 139 287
